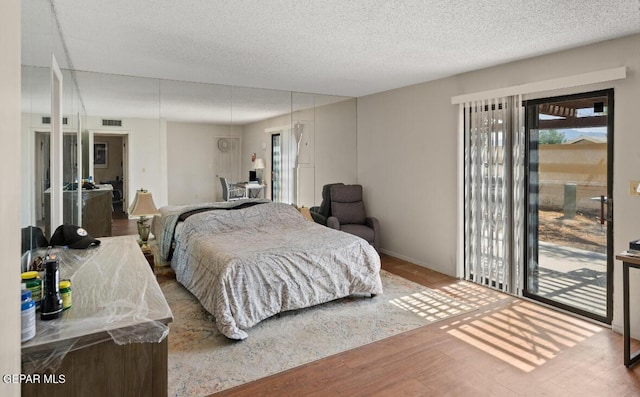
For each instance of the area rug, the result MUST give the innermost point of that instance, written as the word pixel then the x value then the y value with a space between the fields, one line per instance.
pixel 202 361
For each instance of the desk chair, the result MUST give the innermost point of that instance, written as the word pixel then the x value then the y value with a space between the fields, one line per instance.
pixel 231 192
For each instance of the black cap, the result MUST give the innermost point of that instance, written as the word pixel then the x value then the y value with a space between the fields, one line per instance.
pixel 72 236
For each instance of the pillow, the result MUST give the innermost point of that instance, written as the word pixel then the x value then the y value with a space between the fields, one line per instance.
pixel 305 212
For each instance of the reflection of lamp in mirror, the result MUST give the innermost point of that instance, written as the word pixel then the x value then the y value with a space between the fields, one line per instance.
pixel 259 165
pixel 143 207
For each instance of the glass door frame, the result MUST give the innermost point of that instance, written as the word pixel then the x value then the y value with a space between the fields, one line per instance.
pixel 276 165
pixel 529 119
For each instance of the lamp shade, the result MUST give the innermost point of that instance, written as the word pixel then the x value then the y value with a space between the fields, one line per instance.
pixel 143 204
pixel 258 164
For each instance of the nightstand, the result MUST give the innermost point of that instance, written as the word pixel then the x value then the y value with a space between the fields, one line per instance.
pixel 148 255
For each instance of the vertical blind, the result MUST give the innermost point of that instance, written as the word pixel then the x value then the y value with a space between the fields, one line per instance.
pixel 494 201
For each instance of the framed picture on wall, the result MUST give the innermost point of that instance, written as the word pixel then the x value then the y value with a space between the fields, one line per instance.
pixel 101 154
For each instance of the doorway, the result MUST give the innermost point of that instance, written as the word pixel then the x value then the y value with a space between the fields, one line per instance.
pixel 569 158
pixel 70 172
pixel 109 156
pixel 42 173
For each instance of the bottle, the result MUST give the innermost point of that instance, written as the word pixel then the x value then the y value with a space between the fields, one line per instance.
pixel 33 284
pixel 51 304
pixel 28 316
pixel 65 294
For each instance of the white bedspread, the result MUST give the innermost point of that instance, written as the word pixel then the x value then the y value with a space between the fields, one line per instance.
pixel 165 224
pixel 246 265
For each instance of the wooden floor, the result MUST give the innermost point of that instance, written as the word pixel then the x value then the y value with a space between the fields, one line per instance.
pixel 508 347
pixel 121 225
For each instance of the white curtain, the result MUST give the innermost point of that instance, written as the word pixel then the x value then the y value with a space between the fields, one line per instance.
pixel 288 167
pixel 494 205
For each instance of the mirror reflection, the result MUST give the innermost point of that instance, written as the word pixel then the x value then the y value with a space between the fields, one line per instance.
pixel 180 140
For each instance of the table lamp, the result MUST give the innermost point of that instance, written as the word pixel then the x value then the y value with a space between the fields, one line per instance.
pixel 259 165
pixel 143 207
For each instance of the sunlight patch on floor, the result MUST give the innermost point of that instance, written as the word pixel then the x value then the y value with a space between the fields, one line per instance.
pixel 524 335
pixel 430 305
pixel 473 293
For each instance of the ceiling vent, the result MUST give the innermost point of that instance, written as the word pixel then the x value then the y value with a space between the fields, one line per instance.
pixel 111 123
pixel 47 120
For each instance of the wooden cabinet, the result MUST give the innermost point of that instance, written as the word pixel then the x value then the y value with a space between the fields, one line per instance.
pixel 96 210
pixel 148 255
pixel 113 339
pixel 107 369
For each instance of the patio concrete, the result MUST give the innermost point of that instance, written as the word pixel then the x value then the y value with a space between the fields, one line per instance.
pixel 573 277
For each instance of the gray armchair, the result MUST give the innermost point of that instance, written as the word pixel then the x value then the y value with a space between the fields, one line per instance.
pixel 321 213
pixel 348 214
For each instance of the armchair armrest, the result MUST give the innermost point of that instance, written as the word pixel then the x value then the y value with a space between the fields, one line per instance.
pixel 375 225
pixel 372 222
pixel 318 217
pixel 333 222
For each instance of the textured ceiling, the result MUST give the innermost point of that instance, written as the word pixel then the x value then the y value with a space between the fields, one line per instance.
pixel 336 47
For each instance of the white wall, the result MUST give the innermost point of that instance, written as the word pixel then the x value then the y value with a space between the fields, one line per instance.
pixel 191 161
pixel 407 153
pixel 147 157
pixel 334 141
pixel 146 140
pixel 407 163
pixel 10 203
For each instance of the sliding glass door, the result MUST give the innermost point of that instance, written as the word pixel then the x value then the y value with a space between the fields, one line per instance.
pixel 569 190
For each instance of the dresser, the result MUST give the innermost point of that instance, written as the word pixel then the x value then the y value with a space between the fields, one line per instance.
pixel 96 210
pixel 113 339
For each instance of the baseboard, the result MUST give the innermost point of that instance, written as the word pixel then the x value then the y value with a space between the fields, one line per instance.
pixel 405 258
pixel 619 329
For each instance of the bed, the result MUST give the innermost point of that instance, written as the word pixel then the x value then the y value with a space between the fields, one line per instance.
pixel 249 260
